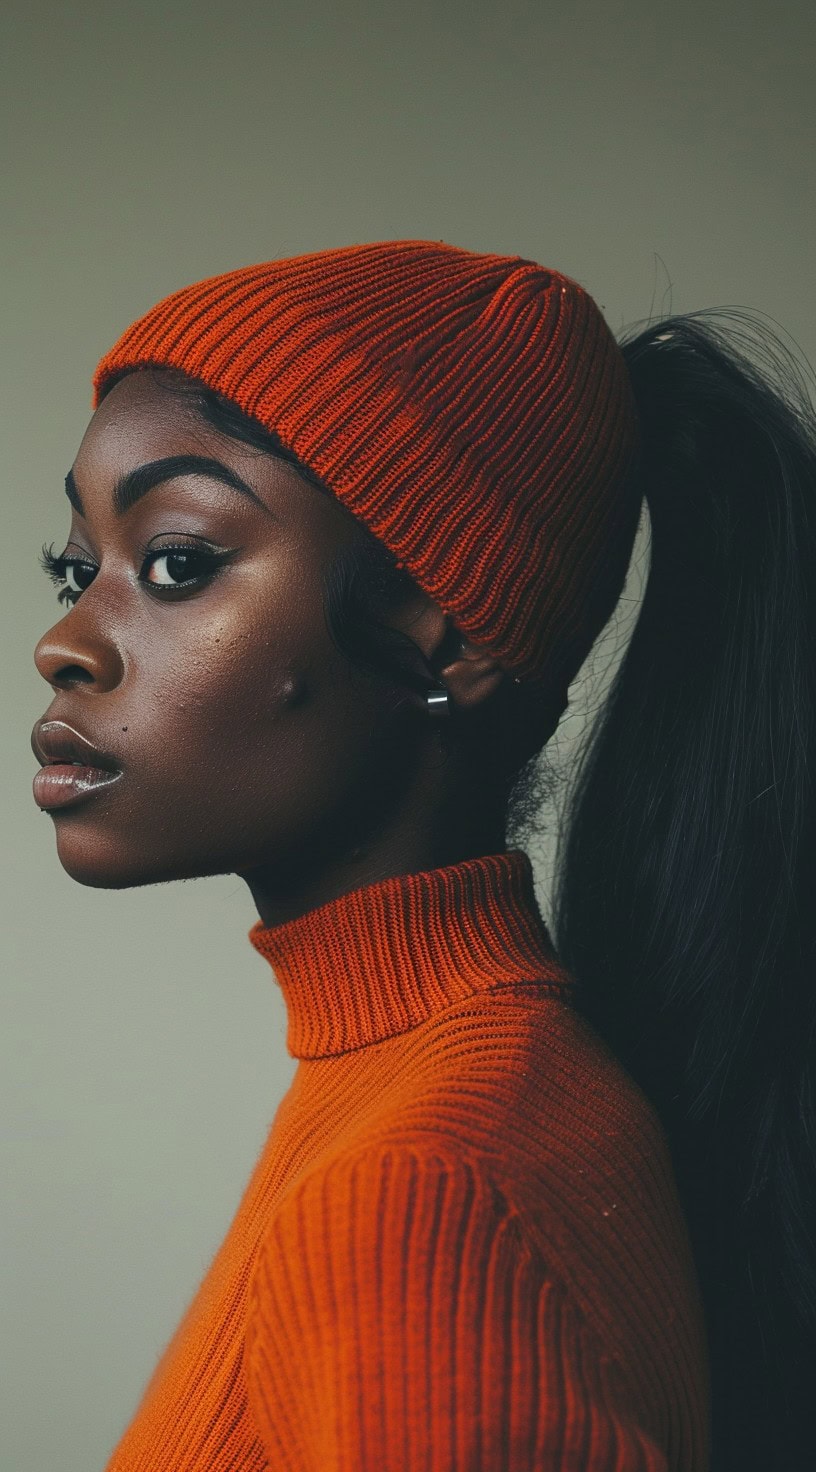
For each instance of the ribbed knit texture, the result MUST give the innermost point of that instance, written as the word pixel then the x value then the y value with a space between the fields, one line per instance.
pixel 473 410
pixel 461 1247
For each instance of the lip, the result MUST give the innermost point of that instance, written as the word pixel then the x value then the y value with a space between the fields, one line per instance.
pixel 56 741
pixel 72 767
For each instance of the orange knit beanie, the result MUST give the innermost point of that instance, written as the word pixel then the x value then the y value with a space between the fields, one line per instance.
pixel 474 411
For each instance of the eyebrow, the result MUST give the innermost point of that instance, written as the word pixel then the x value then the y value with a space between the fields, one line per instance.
pixel 136 483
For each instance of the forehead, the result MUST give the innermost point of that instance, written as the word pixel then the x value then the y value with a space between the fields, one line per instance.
pixel 141 415
pixel 146 417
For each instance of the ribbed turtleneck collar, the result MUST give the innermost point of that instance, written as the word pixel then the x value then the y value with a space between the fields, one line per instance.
pixel 383 958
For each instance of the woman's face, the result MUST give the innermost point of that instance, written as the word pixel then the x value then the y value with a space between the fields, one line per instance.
pixel 243 738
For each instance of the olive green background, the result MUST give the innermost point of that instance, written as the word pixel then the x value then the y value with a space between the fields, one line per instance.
pixel 662 154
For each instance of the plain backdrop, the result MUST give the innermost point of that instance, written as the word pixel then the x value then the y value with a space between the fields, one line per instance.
pixel 661 154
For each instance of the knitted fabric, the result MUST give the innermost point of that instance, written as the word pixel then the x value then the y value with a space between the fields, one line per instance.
pixel 473 410
pixel 461 1247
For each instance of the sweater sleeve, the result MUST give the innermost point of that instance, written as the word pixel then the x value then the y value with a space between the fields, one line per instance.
pixel 399 1320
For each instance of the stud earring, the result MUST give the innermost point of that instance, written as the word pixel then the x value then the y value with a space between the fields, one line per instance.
pixel 438 702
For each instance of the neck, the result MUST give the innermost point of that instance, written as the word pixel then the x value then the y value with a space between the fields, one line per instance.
pixel 283 892
pixel 381 959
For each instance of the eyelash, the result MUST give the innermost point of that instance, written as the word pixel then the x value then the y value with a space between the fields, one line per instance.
pixel 56 568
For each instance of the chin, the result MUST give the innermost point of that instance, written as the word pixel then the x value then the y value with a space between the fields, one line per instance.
pixel 98 862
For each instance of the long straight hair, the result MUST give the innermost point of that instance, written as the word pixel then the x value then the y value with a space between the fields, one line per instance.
pixel 685 880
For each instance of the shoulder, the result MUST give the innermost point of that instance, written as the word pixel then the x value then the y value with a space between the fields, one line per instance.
pixel 520 1086
pixel 398 1297
pixel 404 1206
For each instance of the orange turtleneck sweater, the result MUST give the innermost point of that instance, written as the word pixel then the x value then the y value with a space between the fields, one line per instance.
pixel 461 1246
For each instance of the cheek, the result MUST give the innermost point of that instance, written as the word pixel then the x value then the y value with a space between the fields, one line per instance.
pixel 241 727
pixel 219 664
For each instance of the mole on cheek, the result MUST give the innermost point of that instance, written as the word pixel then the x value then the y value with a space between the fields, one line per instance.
pixel 295 691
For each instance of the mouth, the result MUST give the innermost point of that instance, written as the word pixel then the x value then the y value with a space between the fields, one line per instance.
pixel 56 742
pixel 72 767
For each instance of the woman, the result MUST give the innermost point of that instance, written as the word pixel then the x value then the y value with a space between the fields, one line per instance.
pixel 344 529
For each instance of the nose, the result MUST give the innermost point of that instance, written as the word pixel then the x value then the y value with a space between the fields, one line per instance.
pixel 72 654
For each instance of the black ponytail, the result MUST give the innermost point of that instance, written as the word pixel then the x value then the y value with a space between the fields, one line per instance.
pixel 685 884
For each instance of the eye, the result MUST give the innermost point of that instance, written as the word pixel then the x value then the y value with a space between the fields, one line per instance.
pixel 71 574
pixel 176 566
pixel 181 568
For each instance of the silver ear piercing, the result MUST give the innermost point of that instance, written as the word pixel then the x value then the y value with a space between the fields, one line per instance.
pixel 438 702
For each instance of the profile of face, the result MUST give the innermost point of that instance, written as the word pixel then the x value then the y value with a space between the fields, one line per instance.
pixel 195 657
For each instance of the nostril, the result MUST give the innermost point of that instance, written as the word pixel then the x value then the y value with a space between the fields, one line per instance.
pixel 72 674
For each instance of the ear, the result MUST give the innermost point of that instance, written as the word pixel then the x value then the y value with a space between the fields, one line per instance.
pixel 469 671
pixel 472 675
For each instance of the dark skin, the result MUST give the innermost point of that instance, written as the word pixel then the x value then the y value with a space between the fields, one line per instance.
pixel 248 743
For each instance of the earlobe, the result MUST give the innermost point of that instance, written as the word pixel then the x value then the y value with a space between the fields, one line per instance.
pixel 472 676
pixel 469 672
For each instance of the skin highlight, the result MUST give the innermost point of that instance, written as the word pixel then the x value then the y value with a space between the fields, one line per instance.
pixel 247 743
